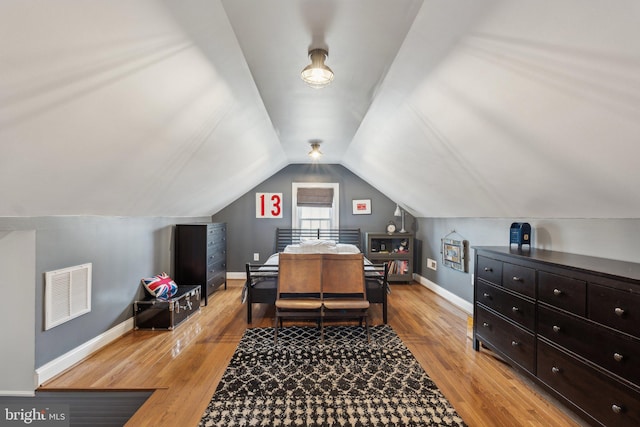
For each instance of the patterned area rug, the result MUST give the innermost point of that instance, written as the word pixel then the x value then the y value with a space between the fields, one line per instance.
pixel 345 382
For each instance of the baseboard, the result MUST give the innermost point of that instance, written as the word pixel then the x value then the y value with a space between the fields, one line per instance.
pixel 449 296
pixel 67 360
pixel 237 275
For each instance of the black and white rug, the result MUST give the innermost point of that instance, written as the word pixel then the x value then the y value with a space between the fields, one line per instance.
pixel 345 382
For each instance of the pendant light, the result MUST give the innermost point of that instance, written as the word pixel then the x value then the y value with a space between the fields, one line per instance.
pixel 317 74
pixel 315 152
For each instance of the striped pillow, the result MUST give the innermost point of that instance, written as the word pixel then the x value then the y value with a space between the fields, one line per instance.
pixel 160 286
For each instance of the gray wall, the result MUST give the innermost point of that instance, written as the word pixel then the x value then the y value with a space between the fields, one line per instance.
pixel 122 250
pixel 606 238
pixel 17 271
pixel 247 234
pixel 125 249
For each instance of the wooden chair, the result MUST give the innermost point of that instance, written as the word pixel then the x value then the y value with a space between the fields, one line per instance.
pixel 299 289
pixel 344 292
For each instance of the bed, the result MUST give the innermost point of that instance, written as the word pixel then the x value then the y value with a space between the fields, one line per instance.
pixel 261 283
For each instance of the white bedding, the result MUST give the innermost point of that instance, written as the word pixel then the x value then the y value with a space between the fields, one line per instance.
pixel 317 247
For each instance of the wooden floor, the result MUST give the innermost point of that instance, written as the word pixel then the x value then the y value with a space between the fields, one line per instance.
pixel 184 366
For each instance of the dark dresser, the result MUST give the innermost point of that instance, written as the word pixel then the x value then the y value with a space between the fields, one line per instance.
pixel 569 322
pixel 201 256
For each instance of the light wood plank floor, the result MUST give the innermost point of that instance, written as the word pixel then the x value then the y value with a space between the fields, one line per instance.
pixel 185 365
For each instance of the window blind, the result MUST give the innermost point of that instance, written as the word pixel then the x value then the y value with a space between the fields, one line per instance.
pixel 315 197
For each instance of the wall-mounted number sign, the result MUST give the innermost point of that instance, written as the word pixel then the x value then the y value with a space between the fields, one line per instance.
pixel 268 205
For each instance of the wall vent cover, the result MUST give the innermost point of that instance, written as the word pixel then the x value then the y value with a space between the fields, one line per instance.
pixel 67 294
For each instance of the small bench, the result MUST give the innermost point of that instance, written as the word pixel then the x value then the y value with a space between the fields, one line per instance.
pixel 261 286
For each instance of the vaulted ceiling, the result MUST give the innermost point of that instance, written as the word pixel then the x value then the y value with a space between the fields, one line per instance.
pixel 454 108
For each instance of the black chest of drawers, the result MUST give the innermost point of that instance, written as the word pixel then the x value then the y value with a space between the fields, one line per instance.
pixel 570 322
pixel 201 256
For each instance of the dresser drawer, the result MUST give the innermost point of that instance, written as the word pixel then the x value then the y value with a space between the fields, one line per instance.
pixel 215 280
pixel 519 279
pixel 618 353
pixel 504 336
pixel 515 308
pixel 489 270
pixel 216 256
pixel 216 268
pixel 608 401
pixel 615 308
pixel 216 230
pixel 216 246
pixel 563 292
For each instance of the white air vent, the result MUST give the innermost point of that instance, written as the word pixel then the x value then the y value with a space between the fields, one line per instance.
pixel 67 294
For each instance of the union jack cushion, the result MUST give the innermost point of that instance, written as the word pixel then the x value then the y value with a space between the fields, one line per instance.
pixel 160 286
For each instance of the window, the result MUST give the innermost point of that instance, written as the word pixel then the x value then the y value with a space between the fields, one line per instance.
pixel 315 205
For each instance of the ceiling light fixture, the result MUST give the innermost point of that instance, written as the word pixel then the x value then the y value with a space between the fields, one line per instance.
pixel 317 75
pixel 315 152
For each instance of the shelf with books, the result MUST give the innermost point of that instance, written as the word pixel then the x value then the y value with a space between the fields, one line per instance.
pixel 395 249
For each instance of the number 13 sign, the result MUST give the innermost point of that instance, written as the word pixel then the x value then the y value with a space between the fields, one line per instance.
pixel 268 205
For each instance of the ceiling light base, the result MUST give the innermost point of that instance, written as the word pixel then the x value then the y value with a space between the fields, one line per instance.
pixel 315 152
pixel 317 74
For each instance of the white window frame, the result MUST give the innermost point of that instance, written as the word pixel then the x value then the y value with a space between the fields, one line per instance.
pixel 335 214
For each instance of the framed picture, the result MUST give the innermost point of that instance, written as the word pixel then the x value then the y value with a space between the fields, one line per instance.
pixel 268 205
pixel 362 207
pixel 454 254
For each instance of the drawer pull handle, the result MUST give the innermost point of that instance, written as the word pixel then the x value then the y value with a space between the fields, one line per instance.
pixel 485 324
pixel 555 370
pixel 517 279
pixel 618 357
pixel 616 409
pixel 486 295
pixel 515 309
pixel 488 269
pixel 557 292
pixel 556 328
pixel 619 311
pixel 515 343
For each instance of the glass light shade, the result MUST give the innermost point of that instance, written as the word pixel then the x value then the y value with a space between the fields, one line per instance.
pixel 317 75
pixel 315 152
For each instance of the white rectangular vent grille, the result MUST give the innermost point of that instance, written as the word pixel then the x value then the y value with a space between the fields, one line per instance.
pixel 67 294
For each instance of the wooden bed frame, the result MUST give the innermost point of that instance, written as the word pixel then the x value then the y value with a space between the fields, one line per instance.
pixel 261 283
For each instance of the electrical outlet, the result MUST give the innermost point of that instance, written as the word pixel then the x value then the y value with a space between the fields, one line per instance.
pixel 256 256
pixel 432 264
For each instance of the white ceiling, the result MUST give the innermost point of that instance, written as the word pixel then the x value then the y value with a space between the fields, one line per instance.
pixel 454 108
pixel 362 38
